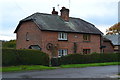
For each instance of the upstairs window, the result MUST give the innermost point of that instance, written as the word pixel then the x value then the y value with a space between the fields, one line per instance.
pixel 62 52
pixel 62 36
pixel 86 37
pixel 86 51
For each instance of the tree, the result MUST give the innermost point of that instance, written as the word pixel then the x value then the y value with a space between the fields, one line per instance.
pixel 115 29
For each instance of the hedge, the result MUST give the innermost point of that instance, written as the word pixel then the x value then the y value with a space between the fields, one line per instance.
pixel 11 57
pixel 84 59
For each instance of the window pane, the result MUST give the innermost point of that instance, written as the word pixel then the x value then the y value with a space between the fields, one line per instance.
pixel 65 35
pixel 86 51
pixel 62 52
pixel 65 52
pixel 86 37
pixel 59 53
pixel 62 36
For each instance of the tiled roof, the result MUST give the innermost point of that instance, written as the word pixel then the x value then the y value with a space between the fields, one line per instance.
pixel 114 38
pixel 56 23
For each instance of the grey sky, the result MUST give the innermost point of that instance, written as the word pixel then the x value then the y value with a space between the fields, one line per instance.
pixel 102 13
pixel 119 11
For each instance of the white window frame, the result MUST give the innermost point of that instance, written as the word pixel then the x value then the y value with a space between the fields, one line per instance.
pixel 62 36
pixel 62 52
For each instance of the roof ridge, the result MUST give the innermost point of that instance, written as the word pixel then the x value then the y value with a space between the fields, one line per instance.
pixel 55 23
pixel 57 15
pixel 82 20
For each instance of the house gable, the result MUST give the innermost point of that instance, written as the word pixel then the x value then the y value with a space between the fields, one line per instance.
pixel 28 34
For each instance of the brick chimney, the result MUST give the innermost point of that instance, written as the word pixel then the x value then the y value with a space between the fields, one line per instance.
pixel 65 13
pixel 54 12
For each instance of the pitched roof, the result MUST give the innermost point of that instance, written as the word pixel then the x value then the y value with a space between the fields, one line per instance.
pixel 114 38
pixel 56 23
pixel 107 40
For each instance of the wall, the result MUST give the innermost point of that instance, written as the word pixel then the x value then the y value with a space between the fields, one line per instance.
pixel 42 38
pixel 34 34
pixel 109 47
pixel 52 37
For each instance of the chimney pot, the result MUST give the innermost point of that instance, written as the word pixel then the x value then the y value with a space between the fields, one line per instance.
pixel 54 12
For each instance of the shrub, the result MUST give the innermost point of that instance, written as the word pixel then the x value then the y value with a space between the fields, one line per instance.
pixel 24 57
pixel 9 44
pixel 84 59
pixel 8 57
pixel 55 62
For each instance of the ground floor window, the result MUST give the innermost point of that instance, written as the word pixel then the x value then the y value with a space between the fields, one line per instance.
pixel 37 47
pixel 62 52
pixel 86 51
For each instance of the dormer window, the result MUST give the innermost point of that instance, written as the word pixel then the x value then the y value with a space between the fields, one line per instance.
pixel 62 36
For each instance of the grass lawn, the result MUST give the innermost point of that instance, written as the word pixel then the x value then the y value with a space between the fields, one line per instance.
pixel 26 68
pixel 40 67
pixel 88 65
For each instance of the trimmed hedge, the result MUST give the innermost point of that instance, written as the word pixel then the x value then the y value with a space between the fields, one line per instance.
pixel 11 57
pixel 84 59
pixel 55 61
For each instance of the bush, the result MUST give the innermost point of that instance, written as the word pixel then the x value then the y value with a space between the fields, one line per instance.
pixel 55 62
pixel 9 44
pixel 24 57
pixel 8 57
pixel 84 59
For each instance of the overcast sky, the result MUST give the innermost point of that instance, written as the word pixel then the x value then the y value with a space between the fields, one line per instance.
pixel 101 13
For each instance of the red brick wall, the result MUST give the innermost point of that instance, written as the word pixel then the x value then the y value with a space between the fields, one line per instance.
pixel 109 47
pixel 33 32
pixel 52 37
pixel 42 38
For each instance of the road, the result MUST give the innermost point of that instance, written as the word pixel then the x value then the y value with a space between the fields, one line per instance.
pixel 88 72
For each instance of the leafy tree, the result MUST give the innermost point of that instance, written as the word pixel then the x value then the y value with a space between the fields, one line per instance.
pixel 115 29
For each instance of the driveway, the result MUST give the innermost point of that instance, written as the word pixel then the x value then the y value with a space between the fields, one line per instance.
pixel 88 72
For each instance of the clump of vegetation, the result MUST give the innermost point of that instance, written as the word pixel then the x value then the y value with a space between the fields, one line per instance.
pixel 85 59
pixel 9 44
pixel 12 57
pixel 26 68
pixel 88 65
pixel 115 29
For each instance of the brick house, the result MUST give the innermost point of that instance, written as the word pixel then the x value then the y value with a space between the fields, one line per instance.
pixel 108 46
pixel 115 39
pixel 58 35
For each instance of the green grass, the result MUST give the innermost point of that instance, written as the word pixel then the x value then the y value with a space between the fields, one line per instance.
pixel 0 69
pixel 26 68
pixel 40 67
pixel 88 65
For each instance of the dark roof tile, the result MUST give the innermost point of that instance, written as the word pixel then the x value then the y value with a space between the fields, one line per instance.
pixel 114 38
pixel 56 23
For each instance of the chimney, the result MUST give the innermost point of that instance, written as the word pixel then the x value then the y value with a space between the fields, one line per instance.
pixel 54 12
pixel 65 13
